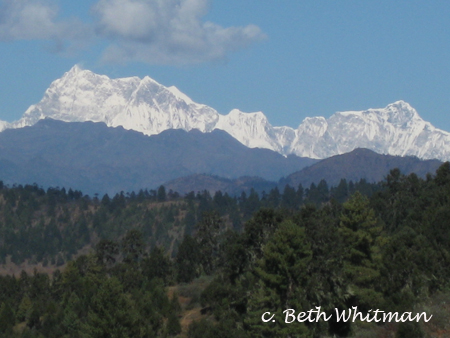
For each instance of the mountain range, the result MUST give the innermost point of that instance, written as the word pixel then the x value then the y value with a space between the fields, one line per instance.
pixel 353 166
pixel 97 134
pixel 94 158
pixel 146 106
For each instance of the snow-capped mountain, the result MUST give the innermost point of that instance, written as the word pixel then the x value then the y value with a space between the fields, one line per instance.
pixel 139 104
pixel 251 129
pixel 395 130
pixel 149 107
pixel 4 125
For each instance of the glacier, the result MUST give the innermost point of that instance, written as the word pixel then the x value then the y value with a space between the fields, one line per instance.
pixel 146 106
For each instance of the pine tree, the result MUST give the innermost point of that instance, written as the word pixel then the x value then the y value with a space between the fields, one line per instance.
pixel 283 273
pixel 111 313
pixel 7 318
pixel 358 229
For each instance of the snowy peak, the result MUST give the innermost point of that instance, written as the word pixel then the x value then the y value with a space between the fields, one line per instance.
pixel 313 126
pixel 139 104
pixel 4 125
pixel 399 113
pixel 396 129
pixel 149 107
pixel 183 97
pixel 251 129
pixel 74 71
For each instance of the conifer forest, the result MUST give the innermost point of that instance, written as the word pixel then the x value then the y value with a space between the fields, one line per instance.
pixel 153 263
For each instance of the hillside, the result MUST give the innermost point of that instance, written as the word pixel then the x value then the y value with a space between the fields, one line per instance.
pixel 154 264
pixel 212 184
pixel 359 164
pixel 93 158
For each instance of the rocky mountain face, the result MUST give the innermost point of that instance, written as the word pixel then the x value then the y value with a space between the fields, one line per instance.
pixel 148 107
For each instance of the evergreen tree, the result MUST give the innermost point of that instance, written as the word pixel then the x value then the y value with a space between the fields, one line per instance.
pixel 289 198
pixel 111 313
pixel 157 265
pixel 187 260
pixel 284 273
pixel 207 236
pixel 358 229
pixel 162 194
pixel 7 318
pixel 340 193
pixel 132 246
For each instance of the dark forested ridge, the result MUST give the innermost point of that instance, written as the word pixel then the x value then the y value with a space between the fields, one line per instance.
pixel 157 264
pixel 353 166
pixel 212 183
pixel 96 159
pixel 357 164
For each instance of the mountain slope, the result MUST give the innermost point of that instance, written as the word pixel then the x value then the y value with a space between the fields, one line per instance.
pixel 359 164
pixel 233 187
pixel 141 105
pixel 94 158
pixel 146 106
pixel 396 130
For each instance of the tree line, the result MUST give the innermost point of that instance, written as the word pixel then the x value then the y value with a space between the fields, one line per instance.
pixel 375 246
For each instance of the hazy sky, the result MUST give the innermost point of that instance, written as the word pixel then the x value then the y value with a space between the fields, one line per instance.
pixel 290 59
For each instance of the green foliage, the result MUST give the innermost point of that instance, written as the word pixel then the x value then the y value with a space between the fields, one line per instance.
pixel 111 313
pixel 207 235
pixel 283 272
pixel 173 326
pixel 359 231
pixel 187 262
pixel 284 266
pixel 157 265
pixel 132 246
pixel 24 309
pixel 358 244
pixel 258 230
pixel 409 330
pixel 107 252
pixel 7 318
pixel 207 329
pixel 162 194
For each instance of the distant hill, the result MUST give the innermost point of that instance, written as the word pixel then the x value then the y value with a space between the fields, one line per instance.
pixel 96 159
pixel 358 164
pixel 201 182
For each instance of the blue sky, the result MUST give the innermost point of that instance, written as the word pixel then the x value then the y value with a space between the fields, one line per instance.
pixel 289 59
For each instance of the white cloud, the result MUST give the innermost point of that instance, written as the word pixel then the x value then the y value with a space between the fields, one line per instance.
pixel 167 32
pixel 36 20
pixel 151 31
pixel 27 20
